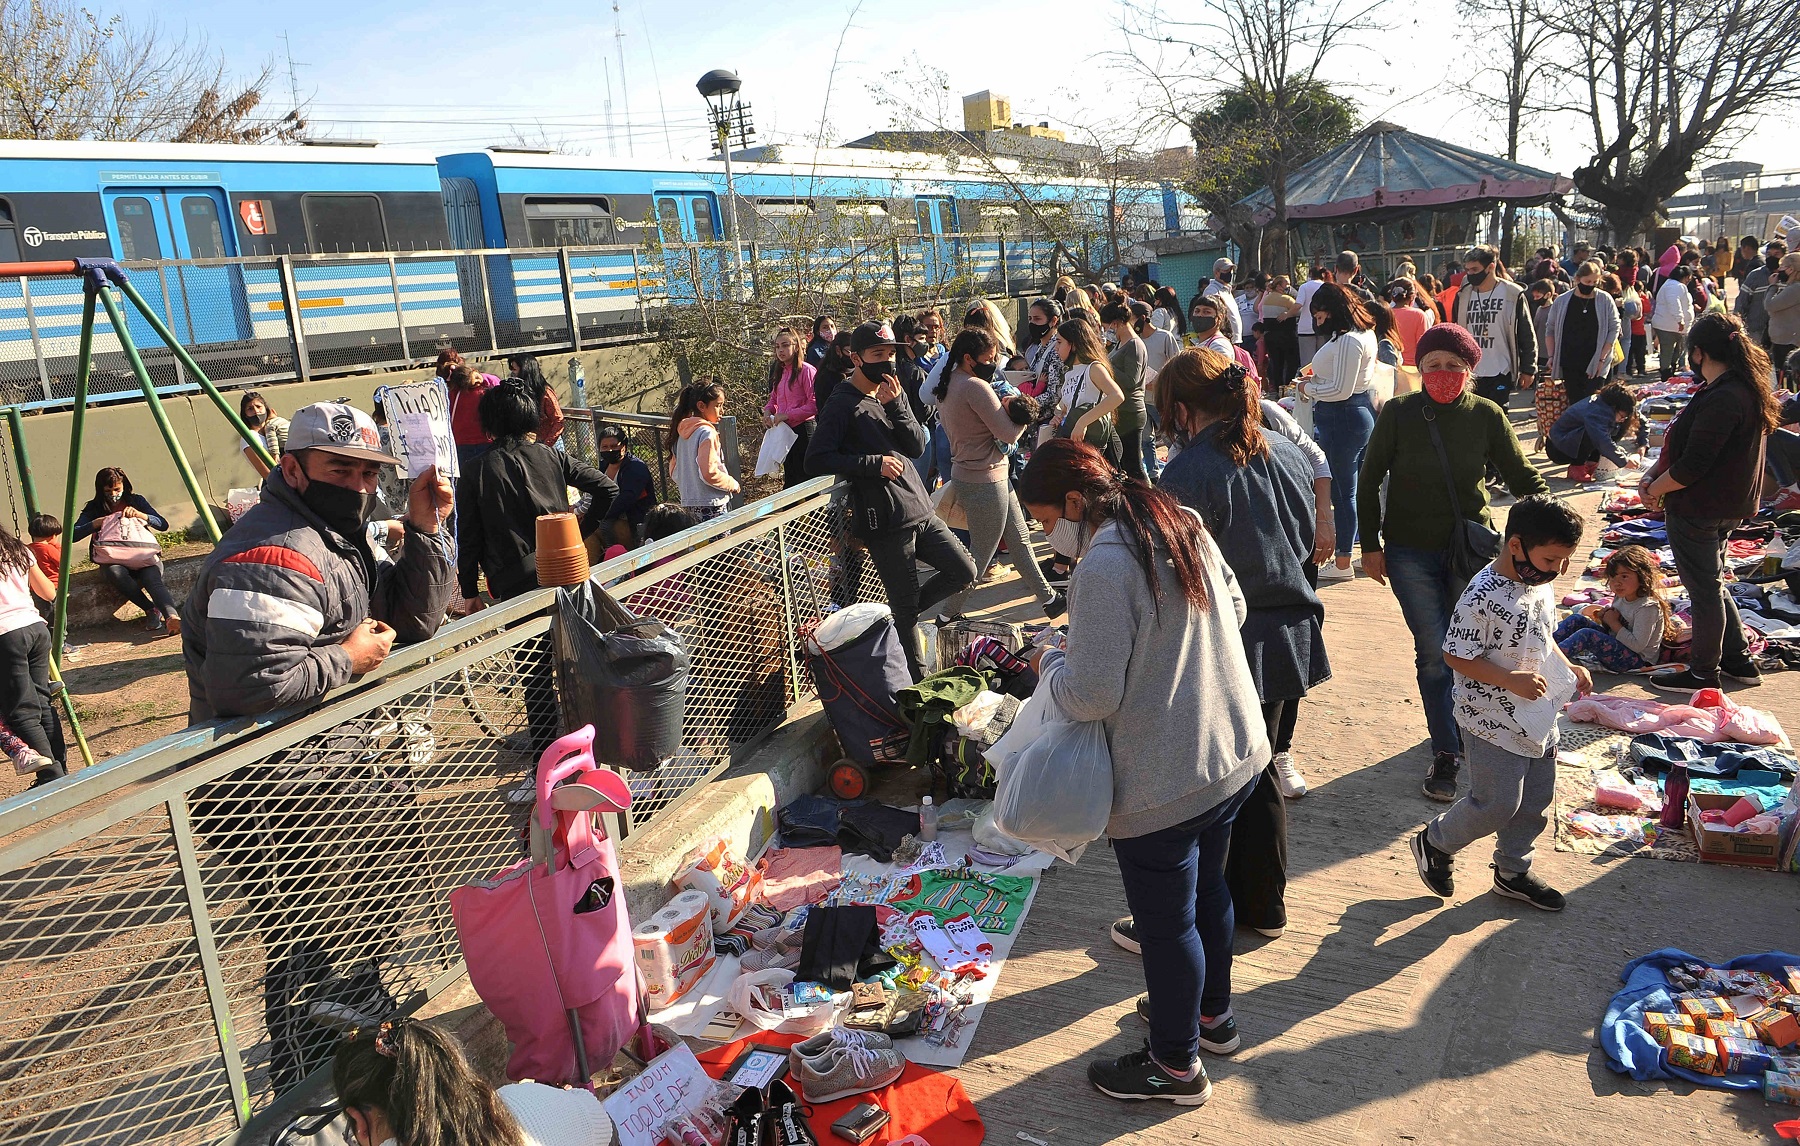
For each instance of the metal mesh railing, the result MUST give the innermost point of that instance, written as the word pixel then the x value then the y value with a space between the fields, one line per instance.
pixel 186 931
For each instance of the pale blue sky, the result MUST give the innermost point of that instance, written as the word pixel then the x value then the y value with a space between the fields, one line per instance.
pixel 442 74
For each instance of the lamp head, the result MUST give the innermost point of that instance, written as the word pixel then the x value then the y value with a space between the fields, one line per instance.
pixel 718 84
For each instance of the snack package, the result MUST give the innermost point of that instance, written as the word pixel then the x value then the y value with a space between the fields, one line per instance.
pixel 1742 1056
pixel 1728 1029
pixel 1660 1023
pixel 1706 1007
pixel 731 884
pixel 1780 1087
pixel 1776 1027
pixel 1694 1052
pixel 1785 1063
pixel 1793 978
pixel 1789 1003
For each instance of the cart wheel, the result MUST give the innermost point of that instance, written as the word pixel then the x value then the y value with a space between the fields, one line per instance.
pixel 847 780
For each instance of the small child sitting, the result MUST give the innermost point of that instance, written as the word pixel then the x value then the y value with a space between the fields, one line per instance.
pixel 1628 634
pixel 1498 640
pixel 46 550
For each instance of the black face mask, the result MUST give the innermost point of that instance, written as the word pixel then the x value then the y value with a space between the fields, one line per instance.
pixel 1475 278
pixel 983 370
pixel 345 510
pixel 1038 330
pixel 1584 290
pixel 613 457
pixel 1529 574
pixel 1202 325
pixel 1772 262
pixel 879 372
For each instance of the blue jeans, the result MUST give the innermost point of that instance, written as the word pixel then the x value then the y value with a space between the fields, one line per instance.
pixel 1343 430
pixel 924 461
pixel 938 450
pixel 1152 467
pixel 1175 886
pixel 1427 592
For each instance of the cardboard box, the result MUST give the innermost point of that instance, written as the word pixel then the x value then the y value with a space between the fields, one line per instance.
pixel 1728 1029
pixel 1706 1007
pixel 1694 1052
pixel 1660 1023
pixel 1779 1028
pixel 1742 1056
pixel 1741 848
pixel 1781 1087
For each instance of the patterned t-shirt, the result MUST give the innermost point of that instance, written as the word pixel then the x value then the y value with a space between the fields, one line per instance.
pixel 1511 624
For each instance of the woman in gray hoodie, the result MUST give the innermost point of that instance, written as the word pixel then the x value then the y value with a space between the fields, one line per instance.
pixel 1154 653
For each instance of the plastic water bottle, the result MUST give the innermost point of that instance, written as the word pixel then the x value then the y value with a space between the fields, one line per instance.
pixel 928 816
pixel 1675 794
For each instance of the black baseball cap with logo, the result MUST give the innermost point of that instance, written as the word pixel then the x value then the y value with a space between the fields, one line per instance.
pixel 871 334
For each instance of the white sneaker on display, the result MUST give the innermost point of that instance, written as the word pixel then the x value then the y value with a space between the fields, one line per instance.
pixel 1288 780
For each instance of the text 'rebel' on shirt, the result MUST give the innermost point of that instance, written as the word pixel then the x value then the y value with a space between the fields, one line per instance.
pixel 1511 624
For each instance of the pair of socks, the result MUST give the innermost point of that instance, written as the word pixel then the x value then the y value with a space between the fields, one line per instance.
pixel 756 919
pixel 956 945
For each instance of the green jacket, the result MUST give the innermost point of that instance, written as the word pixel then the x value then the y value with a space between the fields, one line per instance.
pixel 1419 514
pixel 932 701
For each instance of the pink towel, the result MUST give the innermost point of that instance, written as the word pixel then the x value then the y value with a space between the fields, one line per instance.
pixel 1710 717
pixel 793 876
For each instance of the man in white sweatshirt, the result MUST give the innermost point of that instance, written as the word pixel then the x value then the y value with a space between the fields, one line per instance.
pixel 1497 312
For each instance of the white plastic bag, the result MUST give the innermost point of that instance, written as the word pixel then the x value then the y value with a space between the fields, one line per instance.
pixel 973 718
pixel 757 996
pixel 777 441
pixel 1056 795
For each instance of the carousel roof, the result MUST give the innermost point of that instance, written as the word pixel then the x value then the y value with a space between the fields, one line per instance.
pixel 1385 169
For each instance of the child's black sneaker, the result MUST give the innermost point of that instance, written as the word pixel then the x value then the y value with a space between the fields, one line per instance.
pixel 1434 866
pixel 1440 782
pixel 1529 888
pixel 1124 933
pixel 1137 1076
pixel 1743 670
pixel 1220 1037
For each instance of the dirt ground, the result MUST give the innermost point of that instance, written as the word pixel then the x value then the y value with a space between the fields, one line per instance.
pixel 1381 1015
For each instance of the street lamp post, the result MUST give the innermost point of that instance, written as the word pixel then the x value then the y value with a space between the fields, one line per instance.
pixel 719 88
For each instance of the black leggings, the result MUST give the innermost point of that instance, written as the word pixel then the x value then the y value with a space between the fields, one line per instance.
pixel 142 587
pixel 25 697
pixel 793 467
pixel 1256 866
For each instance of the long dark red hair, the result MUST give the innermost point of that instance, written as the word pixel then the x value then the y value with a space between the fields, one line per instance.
pixel 1149 517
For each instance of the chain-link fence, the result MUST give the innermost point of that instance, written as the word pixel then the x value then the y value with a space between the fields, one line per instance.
pixel 252 320
pixel 185 931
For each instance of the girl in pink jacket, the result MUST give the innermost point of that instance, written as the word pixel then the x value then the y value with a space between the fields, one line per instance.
pixel 791 402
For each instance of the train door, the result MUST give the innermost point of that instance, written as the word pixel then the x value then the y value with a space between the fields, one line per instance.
pixel 201 304
pixel 691 217
pixel 937 246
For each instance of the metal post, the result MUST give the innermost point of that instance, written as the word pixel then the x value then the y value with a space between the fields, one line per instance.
pixel 731 219
pixel 187 362
pixel 637 291
pixel 160 415
pixel 728 445
pixel 162 277
pixel 399 310
pixel 37 343
pixel 568 285
pixel 84 367
pixel 290 303
pixel 16 424
pixel 791 608
pixel 1005 278
pixel 899 278
pixel 182 829
pixel 487 302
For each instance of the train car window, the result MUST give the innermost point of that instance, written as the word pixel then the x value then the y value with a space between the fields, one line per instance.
pixel 871 208
pixel 924 210
pixel 568 222
pixel 137 228
pixel 703 219
pixel 9 234
pixel 343 223
pixel 205 238
pixel 778 208
pixel 668 218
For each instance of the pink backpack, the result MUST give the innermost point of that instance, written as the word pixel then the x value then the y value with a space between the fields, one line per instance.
pixel 547 941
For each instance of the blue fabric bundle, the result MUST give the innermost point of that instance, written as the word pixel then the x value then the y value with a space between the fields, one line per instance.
pixel 1628 1045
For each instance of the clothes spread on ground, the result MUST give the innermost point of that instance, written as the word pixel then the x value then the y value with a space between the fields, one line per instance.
pixel 1709 716
pixel 993 901
pixel 1657 752
pixel 840 946
pixel 793 876
pixel 860 826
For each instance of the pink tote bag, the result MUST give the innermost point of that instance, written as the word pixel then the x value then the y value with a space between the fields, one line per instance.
pixel 546 945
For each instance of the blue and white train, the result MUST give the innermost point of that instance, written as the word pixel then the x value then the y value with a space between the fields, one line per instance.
pixel 186 206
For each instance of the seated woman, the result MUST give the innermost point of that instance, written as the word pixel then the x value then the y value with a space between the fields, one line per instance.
pixel 1590 430
pixel 1628 634
pixel 120 521
pixel 637 488
pixel 408 1082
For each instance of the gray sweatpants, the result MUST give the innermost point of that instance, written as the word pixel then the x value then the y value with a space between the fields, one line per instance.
pixel 1508 796
pixel 994 513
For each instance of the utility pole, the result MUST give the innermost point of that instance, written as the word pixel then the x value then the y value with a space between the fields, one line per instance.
pixel 730 116
pixel 612 146
pixel 624 83
pixel 293 76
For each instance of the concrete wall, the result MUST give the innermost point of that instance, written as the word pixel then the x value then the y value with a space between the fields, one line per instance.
pixel 123 434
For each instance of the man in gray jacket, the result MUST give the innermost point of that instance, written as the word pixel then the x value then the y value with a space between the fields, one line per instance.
pixel 294 602
pixel 1752 292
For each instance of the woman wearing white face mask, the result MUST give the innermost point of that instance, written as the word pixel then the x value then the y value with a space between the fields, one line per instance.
pixel 409 1084
pixel 1154 654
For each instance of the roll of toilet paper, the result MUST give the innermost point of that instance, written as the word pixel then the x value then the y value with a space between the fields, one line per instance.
pixel 674 947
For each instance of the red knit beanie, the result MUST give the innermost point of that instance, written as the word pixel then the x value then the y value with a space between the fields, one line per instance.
pixel 1451 337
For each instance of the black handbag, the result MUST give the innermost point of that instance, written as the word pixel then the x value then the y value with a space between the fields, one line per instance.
pixel 1472 544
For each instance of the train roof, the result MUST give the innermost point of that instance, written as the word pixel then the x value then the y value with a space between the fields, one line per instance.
pixel 108 151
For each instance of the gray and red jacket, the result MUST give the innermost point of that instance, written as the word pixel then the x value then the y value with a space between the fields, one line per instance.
pixel 263 625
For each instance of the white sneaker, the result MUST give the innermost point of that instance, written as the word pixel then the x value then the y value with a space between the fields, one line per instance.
pixel 1288 780
pixel 1334 572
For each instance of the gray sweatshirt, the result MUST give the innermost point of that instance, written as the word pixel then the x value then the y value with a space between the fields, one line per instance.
pixel 1174 691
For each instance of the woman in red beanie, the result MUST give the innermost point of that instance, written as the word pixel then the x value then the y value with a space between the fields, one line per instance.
pixel 1407 544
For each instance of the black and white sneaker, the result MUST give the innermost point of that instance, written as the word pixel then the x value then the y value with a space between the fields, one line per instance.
pixel 1218 1037
pixel 1124 933
pixel 1529 888
pixel 1681 680
pixel 1440 782
pixel 1434 866
pixel 1743 670
pixel 1137 1076
pixel 1058 578
pixel 1056 606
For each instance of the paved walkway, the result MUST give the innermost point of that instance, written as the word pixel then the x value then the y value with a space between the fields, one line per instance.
pixel 1382 1016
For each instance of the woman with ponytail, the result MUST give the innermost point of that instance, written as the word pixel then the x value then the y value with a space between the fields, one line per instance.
pixel 1258 497
pixel 1154 654
pixel 408 1084
pixel 1706 482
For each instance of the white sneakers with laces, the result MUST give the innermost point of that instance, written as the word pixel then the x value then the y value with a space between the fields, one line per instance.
pixel 1288 780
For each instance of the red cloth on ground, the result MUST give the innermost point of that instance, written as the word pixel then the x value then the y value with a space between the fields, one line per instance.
pixel 793 876
pixel 921 1101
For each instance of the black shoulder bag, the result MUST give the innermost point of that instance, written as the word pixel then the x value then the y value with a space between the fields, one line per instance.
pixel 1472 544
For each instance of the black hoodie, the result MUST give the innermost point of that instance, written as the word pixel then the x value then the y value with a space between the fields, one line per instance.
pixel 854 433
